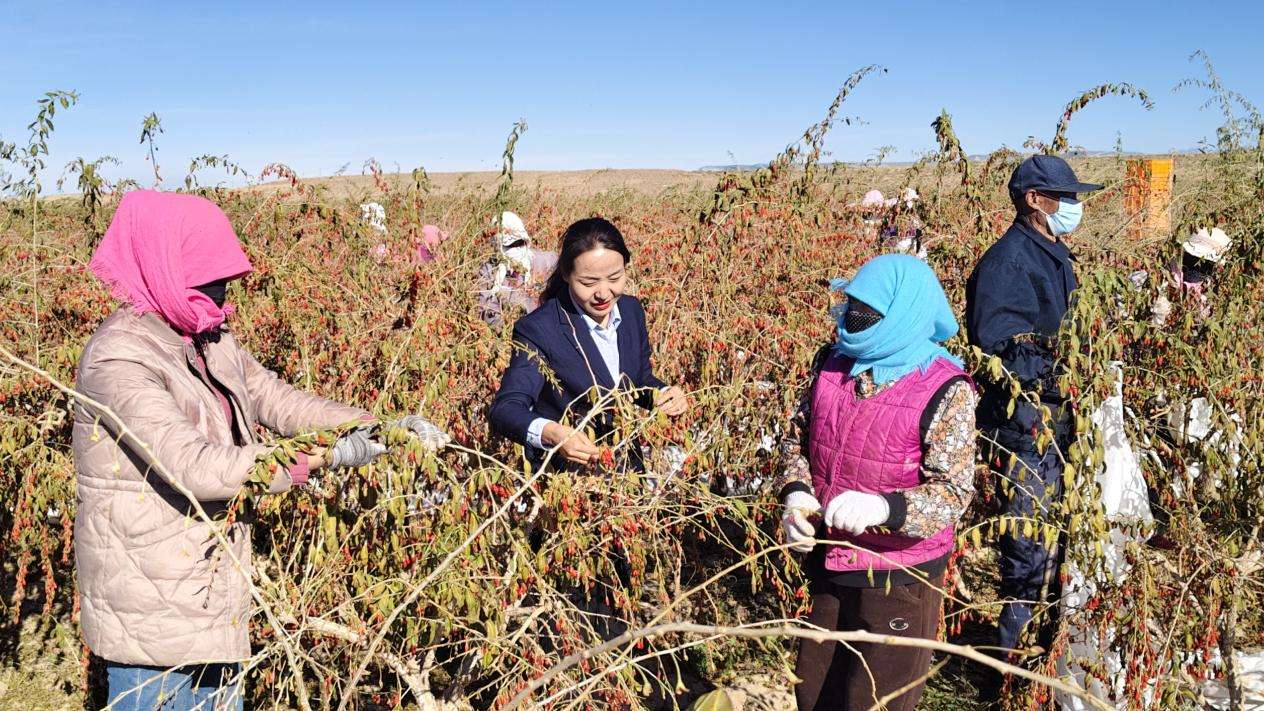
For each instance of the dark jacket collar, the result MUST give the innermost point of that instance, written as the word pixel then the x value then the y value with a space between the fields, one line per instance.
pixel 566 309
pixel 575 330
pixel 1054 248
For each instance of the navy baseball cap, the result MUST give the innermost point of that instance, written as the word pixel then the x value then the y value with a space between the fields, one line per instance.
pixel 1049 174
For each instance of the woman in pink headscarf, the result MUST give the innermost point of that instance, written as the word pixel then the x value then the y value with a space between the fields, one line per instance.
pixel 172 429
pixel 428 247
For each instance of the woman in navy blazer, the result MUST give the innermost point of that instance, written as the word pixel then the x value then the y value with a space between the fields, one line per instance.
pixel 584 333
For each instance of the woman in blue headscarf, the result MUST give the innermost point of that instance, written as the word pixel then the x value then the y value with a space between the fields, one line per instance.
pixel 878 465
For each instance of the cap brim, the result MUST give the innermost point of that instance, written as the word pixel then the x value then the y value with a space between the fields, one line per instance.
pixel 1076 188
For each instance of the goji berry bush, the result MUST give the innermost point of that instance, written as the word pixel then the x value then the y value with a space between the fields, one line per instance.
pixel 466 576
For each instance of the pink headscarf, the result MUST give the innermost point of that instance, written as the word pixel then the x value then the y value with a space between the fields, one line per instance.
pixel 431 238
pixel 159 246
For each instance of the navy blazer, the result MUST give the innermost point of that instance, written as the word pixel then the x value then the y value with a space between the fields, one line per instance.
pixel 552 337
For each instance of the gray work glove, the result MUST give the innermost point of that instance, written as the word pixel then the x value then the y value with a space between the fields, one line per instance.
pixel 356 448
pixel 432 438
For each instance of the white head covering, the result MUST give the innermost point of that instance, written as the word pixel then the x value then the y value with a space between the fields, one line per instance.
pixel 873 198
pixel 1209 245
pixel 512 231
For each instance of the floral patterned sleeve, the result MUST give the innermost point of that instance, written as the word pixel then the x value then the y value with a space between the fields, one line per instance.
pixel 947 466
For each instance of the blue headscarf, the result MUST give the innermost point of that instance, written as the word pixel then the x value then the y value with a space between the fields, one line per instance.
pixel 916 318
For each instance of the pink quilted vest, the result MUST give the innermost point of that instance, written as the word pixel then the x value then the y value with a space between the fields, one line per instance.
pixel 873 445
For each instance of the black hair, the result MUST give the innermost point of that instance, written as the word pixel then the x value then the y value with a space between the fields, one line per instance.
pixel 582 236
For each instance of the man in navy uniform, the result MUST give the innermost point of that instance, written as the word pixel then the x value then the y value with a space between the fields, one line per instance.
pixel 1015 302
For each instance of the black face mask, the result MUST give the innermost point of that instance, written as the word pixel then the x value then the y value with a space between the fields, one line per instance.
pixel 1195 270
pixel 859 316
pixel 215 291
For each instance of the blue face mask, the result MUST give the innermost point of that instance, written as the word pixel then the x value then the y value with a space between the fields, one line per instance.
pixel 1066 218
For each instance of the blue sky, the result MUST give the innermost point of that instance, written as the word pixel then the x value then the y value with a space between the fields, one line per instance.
pixel 321 85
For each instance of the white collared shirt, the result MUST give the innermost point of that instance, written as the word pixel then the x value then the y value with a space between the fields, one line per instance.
pixel 607 340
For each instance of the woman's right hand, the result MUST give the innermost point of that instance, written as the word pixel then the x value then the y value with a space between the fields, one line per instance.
pixel 795 526
pixel 571 443
pixel 672 401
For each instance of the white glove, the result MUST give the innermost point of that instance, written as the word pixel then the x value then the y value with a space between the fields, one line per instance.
pixel 796 528
pixel 432 438
pixel 854 511
pixel 356 448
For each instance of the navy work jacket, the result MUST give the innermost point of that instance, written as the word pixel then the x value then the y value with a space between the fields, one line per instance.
pixel 554 338
pixel 1016 299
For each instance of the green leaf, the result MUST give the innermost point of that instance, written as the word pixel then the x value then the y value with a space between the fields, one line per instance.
pixel 717 700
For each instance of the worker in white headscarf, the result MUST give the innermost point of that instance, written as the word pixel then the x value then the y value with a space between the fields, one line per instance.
pixel 1202 252
pixel 512 278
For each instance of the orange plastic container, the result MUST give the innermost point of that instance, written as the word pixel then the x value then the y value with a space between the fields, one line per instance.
pixel 1148 197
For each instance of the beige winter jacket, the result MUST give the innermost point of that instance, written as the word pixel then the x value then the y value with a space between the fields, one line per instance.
pixel 154 586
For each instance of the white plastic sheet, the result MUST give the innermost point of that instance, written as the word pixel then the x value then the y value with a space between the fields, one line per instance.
pixel 1127 505
pixel 1250 677
pixel 1124 494
pixel 1193 423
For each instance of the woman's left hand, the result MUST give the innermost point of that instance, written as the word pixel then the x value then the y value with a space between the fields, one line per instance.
pixel 854 511
pixel 672 401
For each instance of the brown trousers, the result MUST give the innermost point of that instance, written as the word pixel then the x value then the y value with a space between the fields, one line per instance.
pixel 835 678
